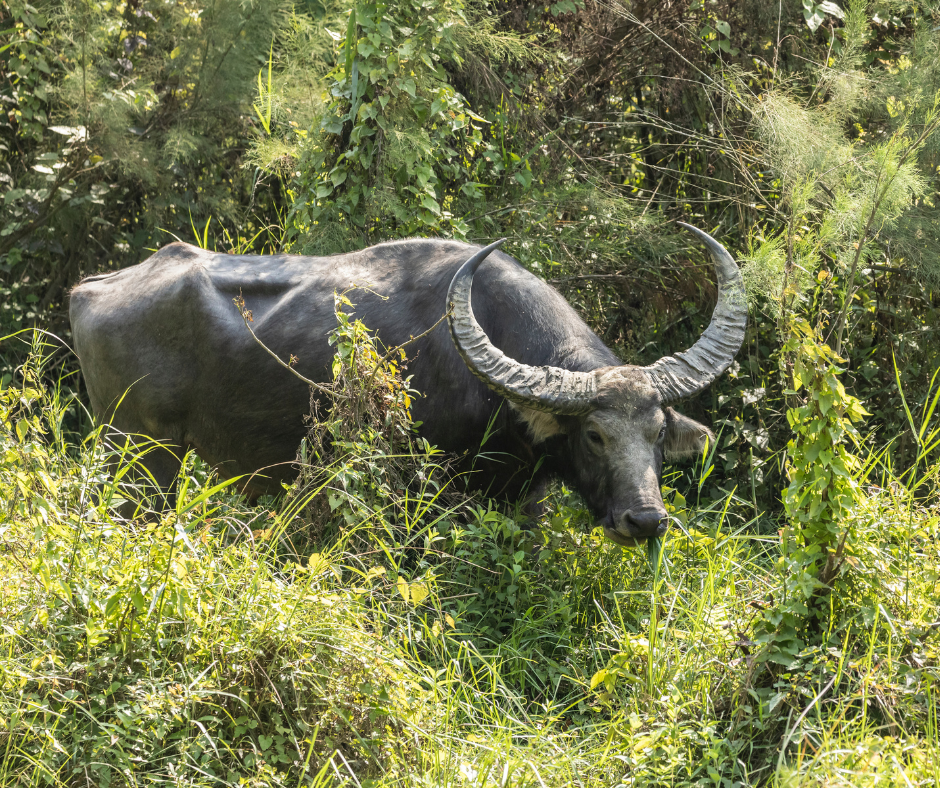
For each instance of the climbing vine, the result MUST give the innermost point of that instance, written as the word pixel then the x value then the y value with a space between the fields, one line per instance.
pixel 393 150
pixel 822 491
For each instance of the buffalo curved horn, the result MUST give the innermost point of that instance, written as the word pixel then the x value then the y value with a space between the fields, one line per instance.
pixel 684 374
pixel 548 389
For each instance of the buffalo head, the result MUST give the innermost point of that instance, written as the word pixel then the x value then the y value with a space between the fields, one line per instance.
pixel 614 423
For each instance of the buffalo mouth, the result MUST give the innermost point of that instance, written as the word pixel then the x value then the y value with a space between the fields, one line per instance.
pixel 630 538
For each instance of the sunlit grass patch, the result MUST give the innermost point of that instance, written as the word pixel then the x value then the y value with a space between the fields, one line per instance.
pixel 415 638
pixel 161 647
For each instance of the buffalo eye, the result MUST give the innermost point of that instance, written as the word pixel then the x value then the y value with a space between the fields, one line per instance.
pixel 662 434
pixel 595 438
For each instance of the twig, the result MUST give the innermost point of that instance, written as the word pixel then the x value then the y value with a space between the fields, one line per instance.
pixel 834 560
pixel 246 317
pixel 397 348
pixel 650 200
pixel 777 48
pixel 580 277
pixel 666 328
pixel 791 731
pixel 46 211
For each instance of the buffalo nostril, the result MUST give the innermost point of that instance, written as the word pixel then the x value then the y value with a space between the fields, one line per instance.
pixel 643 523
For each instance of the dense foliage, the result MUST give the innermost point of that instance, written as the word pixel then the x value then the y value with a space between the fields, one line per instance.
pixel 578 130
pixel 378 622
pixel 122 124
pixel 434 638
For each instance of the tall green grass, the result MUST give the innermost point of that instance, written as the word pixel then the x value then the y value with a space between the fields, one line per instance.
pixel 355 634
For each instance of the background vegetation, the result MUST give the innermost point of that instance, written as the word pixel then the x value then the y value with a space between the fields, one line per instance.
pixel 353 632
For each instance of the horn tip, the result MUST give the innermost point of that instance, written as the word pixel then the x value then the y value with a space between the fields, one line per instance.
pixel 693 229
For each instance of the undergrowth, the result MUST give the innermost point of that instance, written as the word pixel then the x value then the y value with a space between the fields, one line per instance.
pixel 378 626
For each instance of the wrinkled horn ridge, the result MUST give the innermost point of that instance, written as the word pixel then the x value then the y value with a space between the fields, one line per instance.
pixel 549 389
pixel 686 373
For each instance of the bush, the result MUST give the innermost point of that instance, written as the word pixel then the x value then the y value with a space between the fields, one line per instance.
pixel 399 636
pixel 124 126
pixel 166 647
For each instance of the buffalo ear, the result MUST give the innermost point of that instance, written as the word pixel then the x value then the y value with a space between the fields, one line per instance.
pixel 684 436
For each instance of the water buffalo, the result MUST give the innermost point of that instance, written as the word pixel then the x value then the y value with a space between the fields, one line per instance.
pixel 164 340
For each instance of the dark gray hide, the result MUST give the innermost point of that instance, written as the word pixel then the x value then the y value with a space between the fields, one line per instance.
pixel 166 337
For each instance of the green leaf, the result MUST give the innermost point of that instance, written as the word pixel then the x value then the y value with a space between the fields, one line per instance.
pixel 207 493
pixel 350 41
pixel 564 7
pixel 523 177
pixel 814 17
pixel 832 9
pixel 334 126
pixel 113 605
pixel 431 204
pixel 264 107
pixel 776 700
pixel 355 86
pixel 419 592
pixel 403 588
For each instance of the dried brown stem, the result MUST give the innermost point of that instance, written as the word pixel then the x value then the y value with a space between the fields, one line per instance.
pixel 397 348
pixel 246 317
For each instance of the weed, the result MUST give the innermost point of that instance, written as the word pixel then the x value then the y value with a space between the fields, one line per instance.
pixel 412 638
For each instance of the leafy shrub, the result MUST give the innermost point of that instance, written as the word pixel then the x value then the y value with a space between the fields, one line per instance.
pixel 123 126
pixel 425 643
pixel 162 646
pixel 395 138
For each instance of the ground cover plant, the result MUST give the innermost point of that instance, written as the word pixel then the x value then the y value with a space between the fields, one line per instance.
pixel 436 638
